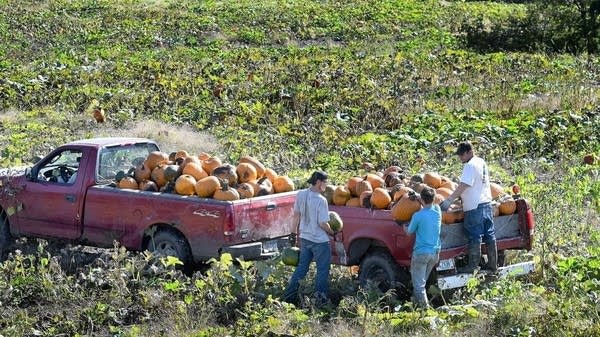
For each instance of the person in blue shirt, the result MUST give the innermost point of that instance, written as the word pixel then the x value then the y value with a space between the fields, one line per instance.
pixel 426 225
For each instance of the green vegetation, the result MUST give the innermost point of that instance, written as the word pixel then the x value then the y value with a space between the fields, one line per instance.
pixel 300 85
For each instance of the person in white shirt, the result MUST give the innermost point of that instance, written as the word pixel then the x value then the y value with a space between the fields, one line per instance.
pixel 475 193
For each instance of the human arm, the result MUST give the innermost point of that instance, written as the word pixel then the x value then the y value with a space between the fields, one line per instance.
pixel 457 192
pixel 325 226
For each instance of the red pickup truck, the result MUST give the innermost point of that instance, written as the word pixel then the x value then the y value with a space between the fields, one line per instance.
pixel 382 249
pixel 70 195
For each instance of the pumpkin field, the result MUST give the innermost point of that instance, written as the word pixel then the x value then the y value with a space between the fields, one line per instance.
pixel 348 87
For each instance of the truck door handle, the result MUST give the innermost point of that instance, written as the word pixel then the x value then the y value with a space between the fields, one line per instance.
pixel 70 197
pixel 271 206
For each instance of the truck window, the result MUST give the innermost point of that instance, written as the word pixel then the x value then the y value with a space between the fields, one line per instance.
pixel 121 158
pixel 61 168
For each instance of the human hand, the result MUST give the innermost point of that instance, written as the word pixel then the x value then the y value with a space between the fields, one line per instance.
pixel 445 204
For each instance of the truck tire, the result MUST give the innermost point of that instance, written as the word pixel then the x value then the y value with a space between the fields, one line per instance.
pixel 378 269
pixel 501 258
pixel 169 243
pixel 5 237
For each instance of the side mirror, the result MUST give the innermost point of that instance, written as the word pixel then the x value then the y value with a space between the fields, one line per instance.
pixel 31 173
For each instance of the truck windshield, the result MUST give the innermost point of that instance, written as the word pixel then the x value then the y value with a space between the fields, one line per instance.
pixel 121 158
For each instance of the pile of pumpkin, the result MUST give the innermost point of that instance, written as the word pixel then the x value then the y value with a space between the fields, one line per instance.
pixel 393 190
pixel 204 175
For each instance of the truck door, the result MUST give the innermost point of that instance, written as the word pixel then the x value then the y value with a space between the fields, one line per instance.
pixel 51 198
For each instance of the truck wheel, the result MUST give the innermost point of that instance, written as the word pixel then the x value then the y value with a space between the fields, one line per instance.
pixel 379 270
pixel 501 258
pixel 5 237
pixel 169 243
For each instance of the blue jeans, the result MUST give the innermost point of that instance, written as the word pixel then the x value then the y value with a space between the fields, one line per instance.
pixel 479 223
pixel 321 253
pixel 420 268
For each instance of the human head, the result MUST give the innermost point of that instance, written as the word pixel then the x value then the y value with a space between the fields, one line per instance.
pixel 427 195
pixel 464 150
pixel 318 179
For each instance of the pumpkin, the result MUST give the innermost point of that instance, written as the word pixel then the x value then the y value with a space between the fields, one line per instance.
pixel 399 190
pixel 206 187
pixel 365 199
pixel 210 164
pixel 283 184
pixel 168 188
pixel 172 156
pixel 185 185
pixel 171 172
pixel 328 193
pixel 246 172
pixel 191 159
pixel 375 180
pixel 508 206
pixel 432 179
pixel 362 186
pixel 418 187
pixel 341 195
pixel 447 183
pixel 181 154
pixel 203 156
pixel 453 216
pixel 260 168
pixel 438 199
pixel 290 256
pixel 226 172
pixel 353 202
pixel 226 192
pixel 351 184
pixel 270 174
pixel 245 190
pixel 392 179
pixel 195 170
pixel 380 198
pixel 128 182
pixel 156 157
pixel 392 168
pixel 405 208
pixel 335 221
pixel 445 192
pixel 497 190
pixel 147 185
pixel 158 175
pixel 262 186
pixel 142 172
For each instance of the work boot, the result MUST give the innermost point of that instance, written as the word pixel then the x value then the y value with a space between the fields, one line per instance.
pixel 492 256
pixel 474 258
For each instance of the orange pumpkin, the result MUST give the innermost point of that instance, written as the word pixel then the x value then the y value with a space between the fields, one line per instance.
pixel 405 208
pixel 399 190
pixel 210 164
pixel 191 159
pixel 443 191
pixel 206 187
pixel 351 184
pixel 283 184
pixel 181 154
pixel 438 199
pixel 195 170
pixel 156 157
pixel 246 172
pixel 392 179
pixel 226 172
pixel 447 183
pixel 245 190
pixel 392 168
pixel 365 199
pixel 453 216
pixel 341 195
pixel 158 175
pixel 128 182
pixel 203 156
pixel 362 186
pixel 226 192
pixel 260 168
pixel 380 199
pixel 142 172
pixel 353 202
pixel 432 179
pixel 270 174
pixel 185 185
pixel 497 190
pixel 375 180
pixel 147 185
pixel 507 206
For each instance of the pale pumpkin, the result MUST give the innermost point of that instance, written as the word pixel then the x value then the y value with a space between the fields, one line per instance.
pixel 341 195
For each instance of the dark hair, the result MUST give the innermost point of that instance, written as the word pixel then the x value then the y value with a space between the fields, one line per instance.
pixel 463 147
pixel 427 195
pixel 317 175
